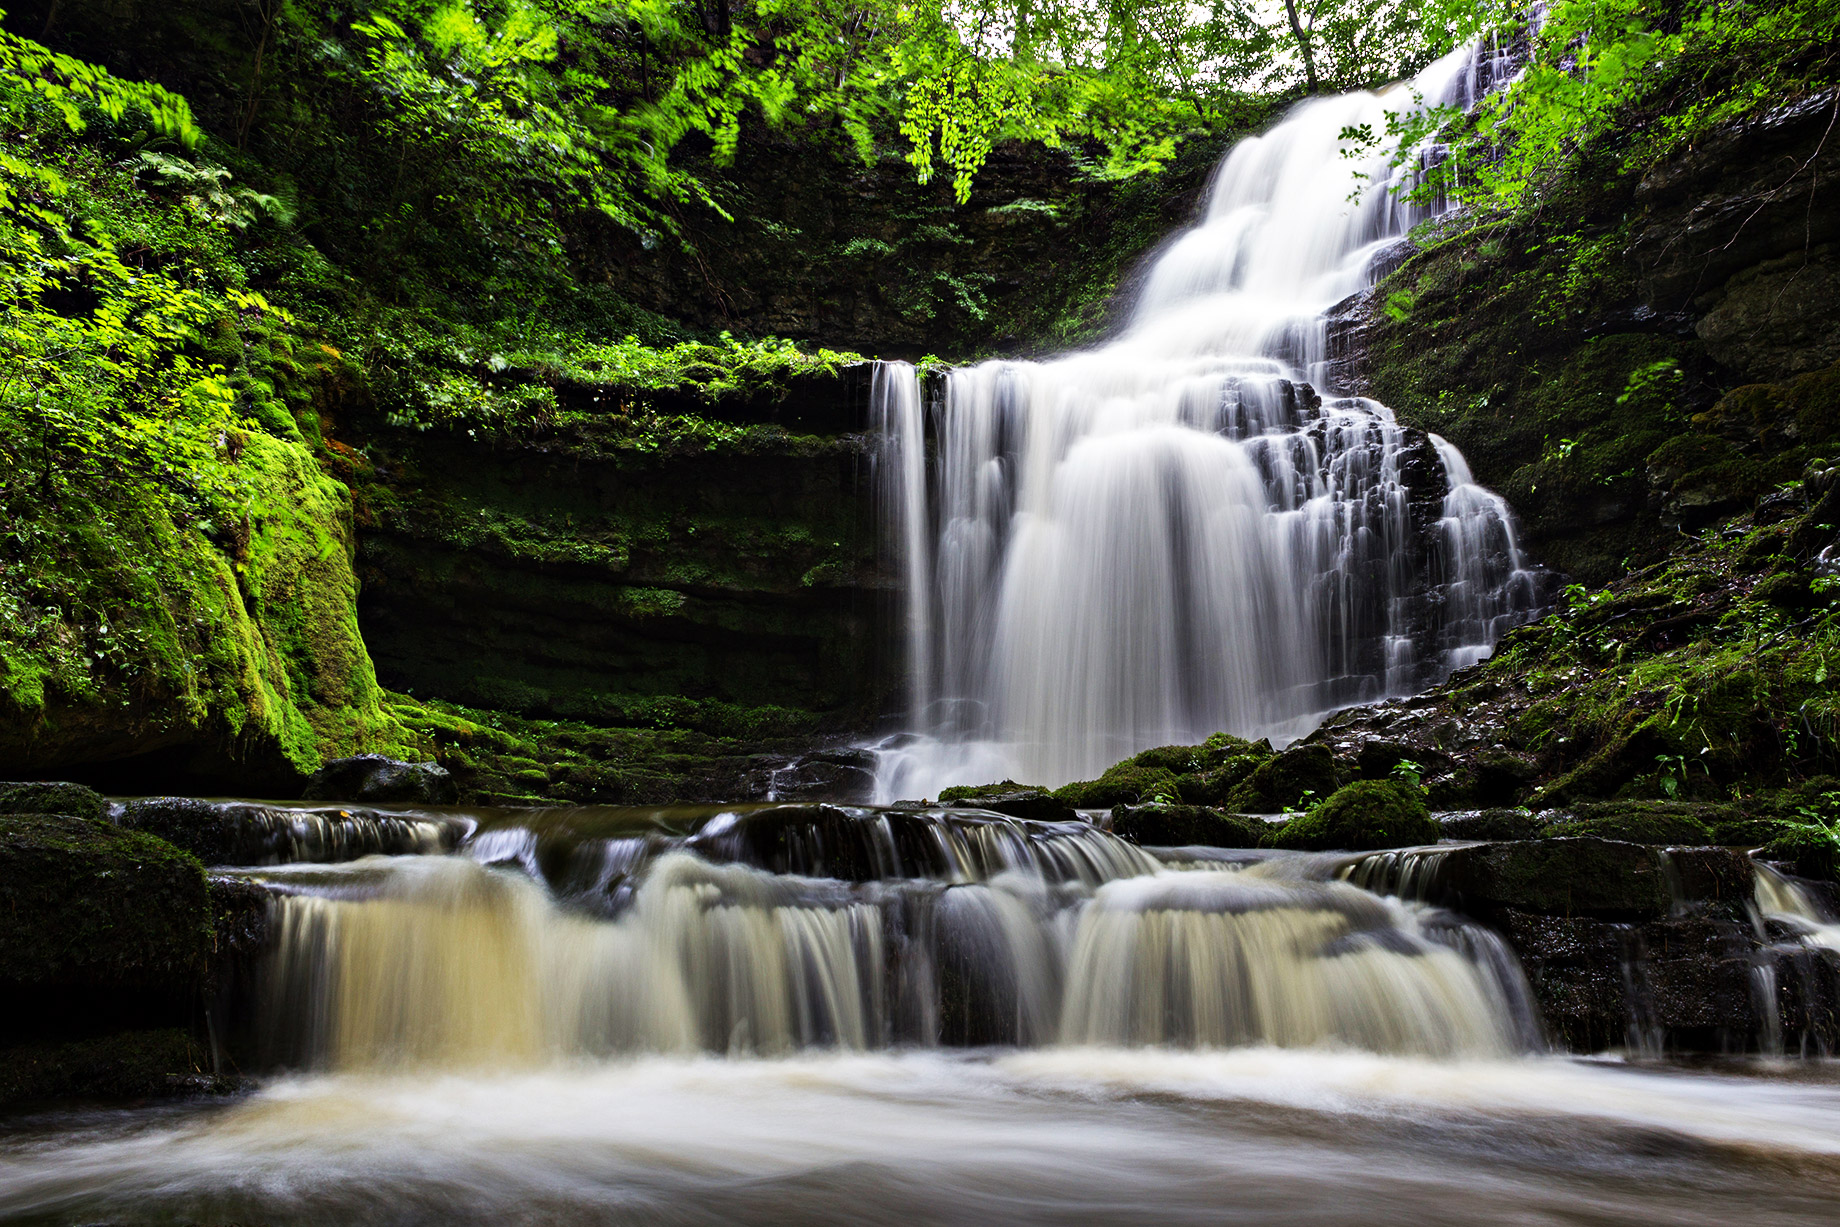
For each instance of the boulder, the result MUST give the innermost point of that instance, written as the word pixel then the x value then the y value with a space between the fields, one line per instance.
pixel 1013 799
pixel 1586 876
pixel 1638 822
pixel 91 905
pixel 1175 826
pixel 1673 984
pixel 1366 814
pixel 1287 781
pixel 373 777
pixel 52 798
pixel 1126 783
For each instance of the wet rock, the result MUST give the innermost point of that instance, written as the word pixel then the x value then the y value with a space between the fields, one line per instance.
pixel 1663 985
pixel 1175 826
pixel 94 907
pixel 244 833
pixel 828 775
pixel 52 798
pixel 1491 824
pixel 125 1065
pixel 1809 852
pixel 1292 779
pixel 1016 800
pixel 372 777
pixel 1602 878
pixel 1638 822
pixel 239 918
pixel 1366 814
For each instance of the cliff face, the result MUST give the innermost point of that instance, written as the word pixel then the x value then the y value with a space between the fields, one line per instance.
pixel 1586 360
pixel 144 645
pixel 725 581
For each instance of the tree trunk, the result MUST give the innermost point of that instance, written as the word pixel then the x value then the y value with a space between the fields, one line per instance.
pixel 1303 45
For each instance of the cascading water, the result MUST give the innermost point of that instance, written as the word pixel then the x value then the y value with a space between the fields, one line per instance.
pixel 1175 533
pixel 912 929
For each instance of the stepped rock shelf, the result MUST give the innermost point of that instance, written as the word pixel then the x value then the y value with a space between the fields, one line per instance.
pixel 247 937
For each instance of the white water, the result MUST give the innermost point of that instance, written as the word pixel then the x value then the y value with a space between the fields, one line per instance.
pixel 1101 1136
pixel 1173 534
pixel 1070 938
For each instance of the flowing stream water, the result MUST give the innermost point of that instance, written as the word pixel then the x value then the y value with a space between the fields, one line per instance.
pixel 816 1014
pixel 917 1015
pixel 1187 529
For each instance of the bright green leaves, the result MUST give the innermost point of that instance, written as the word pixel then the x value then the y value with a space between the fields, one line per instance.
pixel 1595 65
pixel 70 84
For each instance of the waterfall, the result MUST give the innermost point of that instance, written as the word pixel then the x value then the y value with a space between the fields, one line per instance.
pixel 1187 530
pixel 926 929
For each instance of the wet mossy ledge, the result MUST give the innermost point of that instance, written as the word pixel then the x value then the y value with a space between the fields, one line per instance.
pixel 115 947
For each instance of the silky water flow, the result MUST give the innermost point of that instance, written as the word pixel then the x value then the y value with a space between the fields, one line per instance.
pixel 822 1014
pixel 1188 529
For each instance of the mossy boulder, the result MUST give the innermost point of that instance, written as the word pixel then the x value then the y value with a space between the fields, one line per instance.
pixel 1638 822
pixel 1009 797
pixel 88 905
pixel 1585 876
pixel 1367 814
pixel 1171 826
pixel 1287 781
pixel 52 798
pixel 1125 783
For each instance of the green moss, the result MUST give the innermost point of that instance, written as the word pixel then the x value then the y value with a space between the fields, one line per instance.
pixel 52 798
pixel 1637 823
pixel 1163 825
pixel 1365 815
pixel 1125 783
pixel 89 904
pixel 1811 851
pixel 1288 781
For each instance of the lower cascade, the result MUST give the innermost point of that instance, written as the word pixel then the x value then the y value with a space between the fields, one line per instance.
pixel 1065 935
pixel 1188 529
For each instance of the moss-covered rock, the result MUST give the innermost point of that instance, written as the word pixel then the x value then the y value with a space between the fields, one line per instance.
pixel 132 625
pixel 90 905
pixel 1292 779
pixel 1641 822
pixel 1171 826
pixel 1809 851
pixel 1124 783
pixel 1009 797
pixel 1367 814
pixel 1586 876
pixel 52 798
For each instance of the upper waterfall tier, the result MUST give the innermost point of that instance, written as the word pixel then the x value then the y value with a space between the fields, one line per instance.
pixel 1177 533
